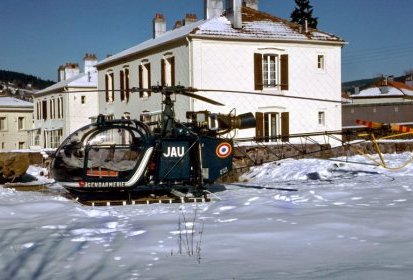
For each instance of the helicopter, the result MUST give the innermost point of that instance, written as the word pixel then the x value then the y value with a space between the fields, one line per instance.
pixel 123 159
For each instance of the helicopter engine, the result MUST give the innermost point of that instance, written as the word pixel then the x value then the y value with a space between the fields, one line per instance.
pixel 220 123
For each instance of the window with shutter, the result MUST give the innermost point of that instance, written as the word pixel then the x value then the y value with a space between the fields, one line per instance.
pixel 271 71
pixel 145 79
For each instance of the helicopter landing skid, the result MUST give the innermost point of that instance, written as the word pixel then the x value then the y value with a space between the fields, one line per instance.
pixel 139 197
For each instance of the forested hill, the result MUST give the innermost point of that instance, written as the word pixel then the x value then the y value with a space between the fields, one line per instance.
pixel 21 80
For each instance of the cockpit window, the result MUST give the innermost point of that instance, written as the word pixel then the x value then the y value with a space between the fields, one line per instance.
pixel 96 154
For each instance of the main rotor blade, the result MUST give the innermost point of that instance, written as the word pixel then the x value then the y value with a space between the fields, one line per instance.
pixel 199 97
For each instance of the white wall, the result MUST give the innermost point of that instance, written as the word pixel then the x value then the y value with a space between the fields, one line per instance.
pixel 230 66
pixel 136 105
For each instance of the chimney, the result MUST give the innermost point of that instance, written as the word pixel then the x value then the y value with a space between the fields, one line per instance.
pixel 68 71
pixel 178 24
pixel 159 25
pixel 190 18
pixel 253 4
pixel 61 73
pixel 213 8
pixel 90 61
pixel 234 13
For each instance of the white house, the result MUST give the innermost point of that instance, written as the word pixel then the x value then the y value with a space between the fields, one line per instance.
pixel 287 74
pixel 16 118
pixel 65 106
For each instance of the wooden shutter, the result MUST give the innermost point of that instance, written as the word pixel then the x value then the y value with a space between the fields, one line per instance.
pixel 285 126
pixel 172 61
pixel 163 80
pixel 258 71
pixel 112 80
pixel 106 88
pixel 140 71
pixel 148 68
pixel 259 128
pixel 284 72
pixel 127 89
pixel 44 107
pixel 122 85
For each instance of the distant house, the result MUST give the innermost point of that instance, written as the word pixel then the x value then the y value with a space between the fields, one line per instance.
pixel 295 71
pixel 386 101
pixel 15 120
pixel 65 106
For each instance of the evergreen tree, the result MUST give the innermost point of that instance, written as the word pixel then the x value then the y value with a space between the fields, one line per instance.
pixel 304 11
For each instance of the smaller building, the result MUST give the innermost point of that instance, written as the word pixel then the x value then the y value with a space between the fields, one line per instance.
pixel 387 101
pixel 16 118
pixel 65 106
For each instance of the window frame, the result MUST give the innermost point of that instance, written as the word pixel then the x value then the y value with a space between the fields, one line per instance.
pixel 321 62
pixel 21 123
pixel 4 127
pixel 321 118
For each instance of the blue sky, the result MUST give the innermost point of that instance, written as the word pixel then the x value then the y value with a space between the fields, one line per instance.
pixel 36 36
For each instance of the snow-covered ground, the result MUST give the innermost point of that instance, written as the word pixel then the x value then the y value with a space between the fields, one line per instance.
pixel 338 221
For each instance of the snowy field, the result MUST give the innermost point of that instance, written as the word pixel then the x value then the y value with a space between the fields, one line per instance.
pixel 338 221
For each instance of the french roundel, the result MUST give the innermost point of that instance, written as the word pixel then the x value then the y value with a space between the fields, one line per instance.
pixel 223 150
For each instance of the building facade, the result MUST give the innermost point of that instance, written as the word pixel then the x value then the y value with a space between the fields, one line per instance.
pixel 65 106
pixel 287 75
pixel 387 101
pixel 16 119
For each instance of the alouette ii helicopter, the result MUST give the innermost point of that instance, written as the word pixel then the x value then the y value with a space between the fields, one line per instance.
pixel 122 160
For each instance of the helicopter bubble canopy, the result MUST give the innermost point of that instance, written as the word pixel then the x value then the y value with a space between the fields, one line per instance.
pixel 104 149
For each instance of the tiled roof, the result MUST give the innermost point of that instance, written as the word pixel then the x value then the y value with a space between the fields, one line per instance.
pixel 14 103
pixel 260 25
pixel 256 25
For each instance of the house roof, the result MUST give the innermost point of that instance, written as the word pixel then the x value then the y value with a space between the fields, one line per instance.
pixel 257 25
pixel 79 81
pixel 11 102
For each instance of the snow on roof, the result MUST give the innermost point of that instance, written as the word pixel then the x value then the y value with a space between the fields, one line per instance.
pixel 14 102
pixel 393 89
pixel 168 36
pixel 81 80
pixel 256 25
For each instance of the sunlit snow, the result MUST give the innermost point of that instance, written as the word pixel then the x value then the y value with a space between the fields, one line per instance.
pixel 292 219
